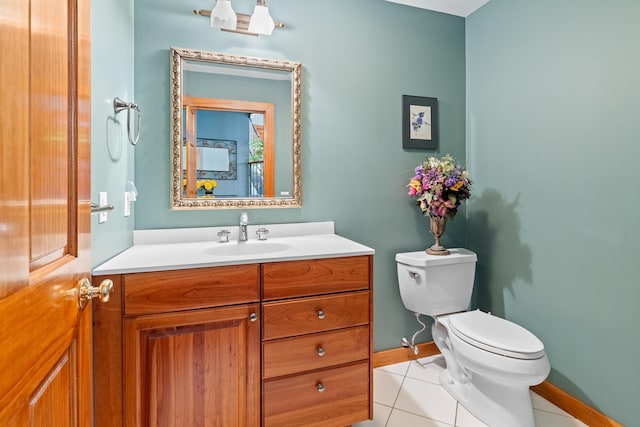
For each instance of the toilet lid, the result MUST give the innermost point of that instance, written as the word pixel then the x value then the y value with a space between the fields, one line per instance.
pixel 496 335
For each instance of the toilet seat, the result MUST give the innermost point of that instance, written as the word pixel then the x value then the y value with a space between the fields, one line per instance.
pixel 496 335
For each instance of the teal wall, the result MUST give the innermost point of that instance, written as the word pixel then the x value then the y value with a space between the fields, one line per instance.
pixel 358 61
pixel 112 162
pixel 553 141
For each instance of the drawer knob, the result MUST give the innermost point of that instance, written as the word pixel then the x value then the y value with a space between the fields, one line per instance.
pixel 253 317
pixel 321 351
pixel 320 388
pixel 320 314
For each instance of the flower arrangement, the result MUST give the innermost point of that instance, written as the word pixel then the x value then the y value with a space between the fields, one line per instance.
pixel 440 186
pixel 207 184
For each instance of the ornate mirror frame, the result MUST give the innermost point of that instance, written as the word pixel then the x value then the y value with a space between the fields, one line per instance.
pixel 178 55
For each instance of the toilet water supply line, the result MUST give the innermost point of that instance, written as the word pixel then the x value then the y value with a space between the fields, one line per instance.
pixel 412 345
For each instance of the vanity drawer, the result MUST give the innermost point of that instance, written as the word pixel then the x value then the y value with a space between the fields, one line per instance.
pixel 308 315
pixel 331 397
pixel 293 279
pixel 175 290
pixel 292 355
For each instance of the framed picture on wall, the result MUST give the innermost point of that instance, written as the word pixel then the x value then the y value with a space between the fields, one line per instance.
pixel 419 122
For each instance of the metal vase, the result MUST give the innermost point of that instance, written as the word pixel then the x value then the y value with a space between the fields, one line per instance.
pixel 437 225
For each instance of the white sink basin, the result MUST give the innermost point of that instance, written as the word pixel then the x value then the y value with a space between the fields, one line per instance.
pixel 183 248
pixel 251 247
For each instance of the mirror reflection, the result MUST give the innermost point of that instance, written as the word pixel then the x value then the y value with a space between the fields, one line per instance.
pixel 235 131
pixel 230 145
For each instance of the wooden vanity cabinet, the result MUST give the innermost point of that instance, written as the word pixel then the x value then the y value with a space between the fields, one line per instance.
pixel 316 342
pixel 179 348
pixel 272 344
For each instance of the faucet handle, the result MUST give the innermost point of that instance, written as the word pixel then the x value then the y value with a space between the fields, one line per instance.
pixel 262 233
pixel 223 236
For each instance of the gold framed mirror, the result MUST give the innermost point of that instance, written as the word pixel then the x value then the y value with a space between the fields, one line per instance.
pixel 235 131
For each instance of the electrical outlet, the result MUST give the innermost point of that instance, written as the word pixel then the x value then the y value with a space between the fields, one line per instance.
pixel 102 201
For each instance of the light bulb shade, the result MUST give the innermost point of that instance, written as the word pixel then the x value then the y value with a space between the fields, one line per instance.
pixel 223 16
pixel 261 22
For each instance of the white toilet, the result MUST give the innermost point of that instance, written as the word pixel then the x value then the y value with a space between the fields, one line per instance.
pixel 490 362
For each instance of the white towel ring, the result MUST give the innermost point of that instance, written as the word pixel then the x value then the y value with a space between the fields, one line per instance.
pixel 119 105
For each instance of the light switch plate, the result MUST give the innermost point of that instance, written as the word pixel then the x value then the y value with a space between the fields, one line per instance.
pixel 102 201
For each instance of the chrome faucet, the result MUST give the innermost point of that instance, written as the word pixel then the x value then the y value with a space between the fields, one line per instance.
pixel 244 221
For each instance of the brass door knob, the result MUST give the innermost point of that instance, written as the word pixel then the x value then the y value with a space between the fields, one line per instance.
pixel 88 292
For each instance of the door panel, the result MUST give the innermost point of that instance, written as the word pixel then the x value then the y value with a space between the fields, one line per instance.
pixel 49 128
pixel 14 128
pixel 53 401
pixel 45 339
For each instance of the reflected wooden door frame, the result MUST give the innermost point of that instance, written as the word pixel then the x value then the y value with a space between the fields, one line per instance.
pixel 265 108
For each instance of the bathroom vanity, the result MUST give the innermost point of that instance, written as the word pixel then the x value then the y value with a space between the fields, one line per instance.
pixel 273 333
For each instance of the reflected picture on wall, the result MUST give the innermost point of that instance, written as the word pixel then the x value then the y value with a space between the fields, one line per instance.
pixel 216 159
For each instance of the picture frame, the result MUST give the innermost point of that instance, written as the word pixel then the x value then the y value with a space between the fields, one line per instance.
pixel 230 145
pixel 203 143
pixel 419 122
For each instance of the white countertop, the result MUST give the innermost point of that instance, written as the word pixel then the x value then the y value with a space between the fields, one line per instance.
pixel 174 249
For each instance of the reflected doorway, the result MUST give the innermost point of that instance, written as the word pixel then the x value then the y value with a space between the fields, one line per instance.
pixel 228 148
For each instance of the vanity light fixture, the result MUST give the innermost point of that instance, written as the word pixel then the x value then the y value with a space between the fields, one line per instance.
pixel 261 22
pixel 224 17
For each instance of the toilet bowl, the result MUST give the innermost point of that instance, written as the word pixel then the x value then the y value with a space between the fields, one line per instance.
pixel 490 362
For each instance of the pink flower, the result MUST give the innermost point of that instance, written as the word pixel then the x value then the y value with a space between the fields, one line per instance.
pixel 441 207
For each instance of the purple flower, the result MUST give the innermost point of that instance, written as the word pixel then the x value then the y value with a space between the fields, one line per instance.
pixel 451 180
pixel 432 175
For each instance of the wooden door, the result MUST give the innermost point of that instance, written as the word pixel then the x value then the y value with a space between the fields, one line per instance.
pixel 45 339
pixel 193 368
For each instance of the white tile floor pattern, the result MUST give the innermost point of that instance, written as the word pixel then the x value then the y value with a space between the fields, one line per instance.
pixel 408 394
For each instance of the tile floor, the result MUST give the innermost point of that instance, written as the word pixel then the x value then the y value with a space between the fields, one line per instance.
pixel 408 394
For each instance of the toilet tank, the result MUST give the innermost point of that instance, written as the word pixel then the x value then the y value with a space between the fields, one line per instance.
pixel 436 284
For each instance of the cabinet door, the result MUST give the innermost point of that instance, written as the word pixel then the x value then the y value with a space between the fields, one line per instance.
pixel 193 368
